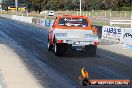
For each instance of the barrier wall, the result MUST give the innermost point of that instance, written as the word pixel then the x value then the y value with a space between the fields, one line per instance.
pixel 128 36
pixel 34 20
pixel 22 18
pixel 113 33
pixel 116 34
pixel 6 16
pixel 43 22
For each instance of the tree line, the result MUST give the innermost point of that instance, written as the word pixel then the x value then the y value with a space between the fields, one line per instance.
pixel 87 5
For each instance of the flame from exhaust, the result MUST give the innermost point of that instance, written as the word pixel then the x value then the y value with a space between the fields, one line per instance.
pixel 84 73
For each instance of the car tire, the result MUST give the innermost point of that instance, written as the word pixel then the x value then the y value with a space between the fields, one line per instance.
pixel 90 50
pixel 50 47
pixel 60 49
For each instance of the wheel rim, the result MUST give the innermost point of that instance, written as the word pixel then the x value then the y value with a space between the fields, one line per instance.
pixel 48 44
pixel 55 48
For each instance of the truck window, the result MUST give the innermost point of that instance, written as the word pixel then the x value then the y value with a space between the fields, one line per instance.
pixel 73 22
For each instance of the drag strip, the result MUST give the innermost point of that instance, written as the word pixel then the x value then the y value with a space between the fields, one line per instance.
pixel 30 43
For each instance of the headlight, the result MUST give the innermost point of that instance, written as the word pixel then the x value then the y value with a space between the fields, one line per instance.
pixel 90 36
pixel 61 35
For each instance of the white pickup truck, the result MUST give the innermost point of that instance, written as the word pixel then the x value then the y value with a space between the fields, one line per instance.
pixel 73 32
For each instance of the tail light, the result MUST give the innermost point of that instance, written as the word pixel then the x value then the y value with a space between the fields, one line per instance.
pixel 60 41
pixel 96 43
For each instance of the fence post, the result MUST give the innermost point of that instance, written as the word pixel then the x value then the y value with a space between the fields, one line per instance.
pixel 83 13
pixel 96 13
pixel 125 14
pixel 110 13
pixel 105 13
pixel 131 22
pixel 86 14
pixel 89 13
pixel 110 23
pixel 77 13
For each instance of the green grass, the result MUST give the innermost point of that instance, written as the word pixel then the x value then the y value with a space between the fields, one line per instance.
pixel 100 23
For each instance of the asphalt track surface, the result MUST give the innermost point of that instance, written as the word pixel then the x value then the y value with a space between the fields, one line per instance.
pixel 30 43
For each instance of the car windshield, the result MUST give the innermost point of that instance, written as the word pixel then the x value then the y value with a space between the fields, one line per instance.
pixel 73 22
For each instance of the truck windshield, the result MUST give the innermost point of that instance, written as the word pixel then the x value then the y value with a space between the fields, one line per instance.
pixel 73 22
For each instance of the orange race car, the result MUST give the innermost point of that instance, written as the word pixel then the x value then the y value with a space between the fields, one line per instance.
pixel 73 32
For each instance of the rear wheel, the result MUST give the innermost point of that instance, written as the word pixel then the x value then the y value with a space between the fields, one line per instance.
pixel 90 50
pixel 49 46
pixel 60 49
